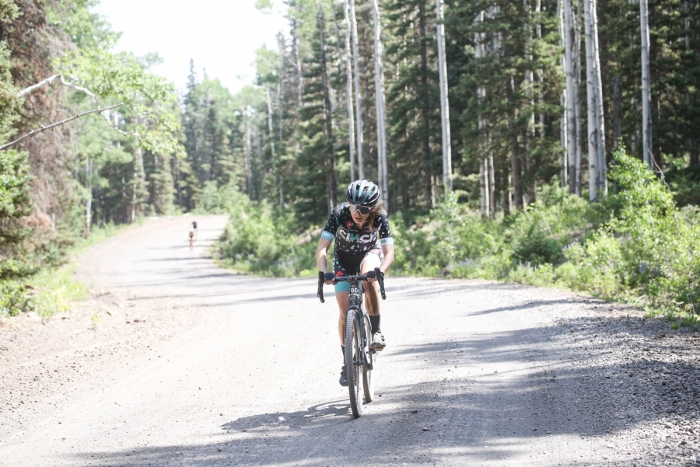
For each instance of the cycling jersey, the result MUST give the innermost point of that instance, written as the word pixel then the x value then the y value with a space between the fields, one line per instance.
pixel 351 240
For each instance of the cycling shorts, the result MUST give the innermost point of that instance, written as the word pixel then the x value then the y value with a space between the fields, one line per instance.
pixel 346 265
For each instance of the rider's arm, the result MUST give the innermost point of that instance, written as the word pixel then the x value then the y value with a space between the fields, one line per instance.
pixel 321 252
pixel 324 243
pixel 388 250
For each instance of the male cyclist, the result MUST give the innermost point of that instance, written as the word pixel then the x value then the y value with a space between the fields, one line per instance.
pixel 363 244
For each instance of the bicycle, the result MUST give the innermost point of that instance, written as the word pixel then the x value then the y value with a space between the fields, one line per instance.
pixel 359 355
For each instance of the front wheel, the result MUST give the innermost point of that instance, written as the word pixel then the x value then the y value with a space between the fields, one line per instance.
pixel 367 378
pixel 353 359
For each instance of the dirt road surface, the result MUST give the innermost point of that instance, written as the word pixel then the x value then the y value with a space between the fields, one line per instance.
pixel 176 362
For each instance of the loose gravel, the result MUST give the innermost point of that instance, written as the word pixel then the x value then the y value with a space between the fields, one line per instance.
pixel 175 362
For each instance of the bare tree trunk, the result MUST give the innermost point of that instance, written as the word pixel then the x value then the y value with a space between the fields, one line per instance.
pixel 515 161
pixel 492 185
pixel 600 116
pixel 330 172
pixel 425 107
pixel 379 96
pixel 563 121
pixel 483 125
pixel 444 99
pixel 646 85
pixel 139 182
pixel 529 191
pixel 348 69
pixel 596 128
pixel 248 168
pixel 270 127
pixel 483 188
pixel 617 111
pixel 693 139
pixel 540 78
pixel 358 91
pixel 563 130
pixel 297 62
pixel 280 88
pixel 88 205
pixel 572 59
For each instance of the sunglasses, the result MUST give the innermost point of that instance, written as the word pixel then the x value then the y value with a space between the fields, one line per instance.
pixel 363 210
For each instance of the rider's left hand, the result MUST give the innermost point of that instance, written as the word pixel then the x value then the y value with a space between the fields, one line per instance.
pixel 371 276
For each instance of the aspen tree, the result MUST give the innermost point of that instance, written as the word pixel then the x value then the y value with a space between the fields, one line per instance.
pixel 358 92
pixel 572 39
pixel 646 85
pixel 348 70
pixel 596 126
pixel 379 98
pixel 444 98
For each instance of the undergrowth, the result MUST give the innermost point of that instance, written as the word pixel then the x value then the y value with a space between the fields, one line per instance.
pixel 635 245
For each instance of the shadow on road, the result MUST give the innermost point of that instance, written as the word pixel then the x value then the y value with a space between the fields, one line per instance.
pixel 471 418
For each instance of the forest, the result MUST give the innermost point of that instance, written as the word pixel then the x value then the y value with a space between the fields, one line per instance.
pixel 537 141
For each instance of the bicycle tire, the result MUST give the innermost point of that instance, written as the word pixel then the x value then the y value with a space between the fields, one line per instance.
pixel 352 354
pixel 367 376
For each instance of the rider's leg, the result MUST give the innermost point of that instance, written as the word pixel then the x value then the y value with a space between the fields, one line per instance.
pixel 343 302
pixel 342 297
pixel 370 262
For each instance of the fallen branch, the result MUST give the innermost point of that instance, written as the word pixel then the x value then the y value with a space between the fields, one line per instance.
pixel 43 128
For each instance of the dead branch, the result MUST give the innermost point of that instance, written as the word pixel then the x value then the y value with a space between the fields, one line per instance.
pixel 38 85
pixel 48 127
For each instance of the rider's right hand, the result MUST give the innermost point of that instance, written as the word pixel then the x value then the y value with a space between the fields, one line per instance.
pixel 328 277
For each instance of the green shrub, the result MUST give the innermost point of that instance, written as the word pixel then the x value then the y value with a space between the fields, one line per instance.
pixel 259 239
pixel 634 245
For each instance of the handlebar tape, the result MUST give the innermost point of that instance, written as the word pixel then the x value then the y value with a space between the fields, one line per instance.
pixel 319 293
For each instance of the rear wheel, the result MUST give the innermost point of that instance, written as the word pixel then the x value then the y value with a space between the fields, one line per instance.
pixel 367 378
pixel 353 347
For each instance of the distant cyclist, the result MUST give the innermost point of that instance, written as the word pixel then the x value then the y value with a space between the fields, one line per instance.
pixel 363 243
pixel 193 233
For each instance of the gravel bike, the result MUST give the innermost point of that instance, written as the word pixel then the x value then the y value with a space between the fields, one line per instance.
pixel 359 355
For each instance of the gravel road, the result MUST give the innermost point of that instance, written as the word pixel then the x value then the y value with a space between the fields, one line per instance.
pixel 173 361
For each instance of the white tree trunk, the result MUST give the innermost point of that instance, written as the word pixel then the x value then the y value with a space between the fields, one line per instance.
pixel 297 63
pixel 248 168
pixel 573 99
pixel 563 121
pixel 483 189
pixel 358 92
pixel 444 99
pixel 88 205
pixel 492 185
pixel 646 85
pixel 349 68
pixel 602 158
pixel 270 128
pixel 596 134
pixel 480 50
pixel 540 78
pixel 379 97
pixel 529 192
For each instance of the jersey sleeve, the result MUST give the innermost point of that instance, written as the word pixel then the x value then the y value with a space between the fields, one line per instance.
pixel 331 227
pixel 382 224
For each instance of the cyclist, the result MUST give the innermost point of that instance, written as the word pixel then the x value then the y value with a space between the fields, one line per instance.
pixel 364 245
pixel 193 233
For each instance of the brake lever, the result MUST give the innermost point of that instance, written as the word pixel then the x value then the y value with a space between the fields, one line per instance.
pixel 319 292
pixel 380 279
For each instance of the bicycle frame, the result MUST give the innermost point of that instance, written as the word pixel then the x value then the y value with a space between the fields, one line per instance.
pixel 355 299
